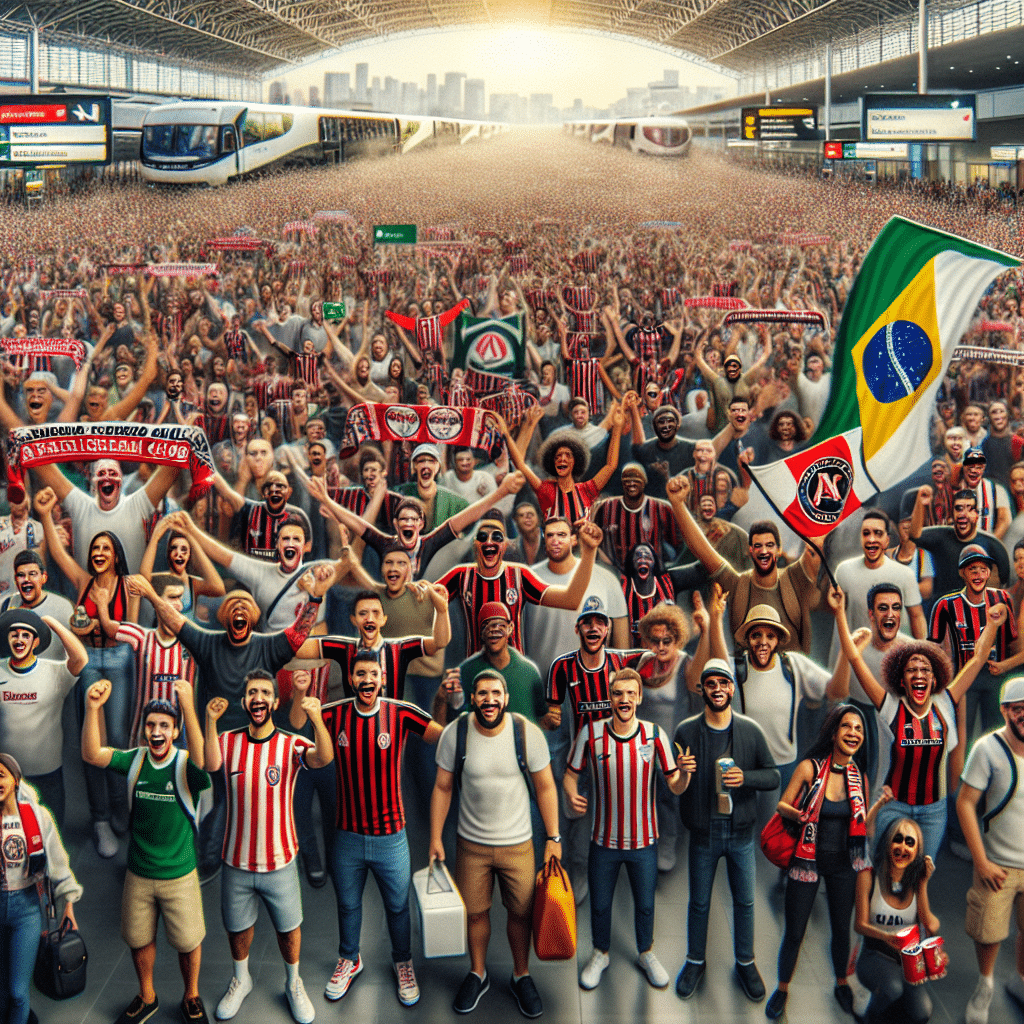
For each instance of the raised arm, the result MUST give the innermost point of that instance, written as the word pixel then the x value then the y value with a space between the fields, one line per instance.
pixel 167 613
pixel 123 409
pixel 604 474
pixel 994 619
pixel 512 484
pixel 677 489
pixel 44 502
pixel 213 762
pixel 193 730
pixel 73 647
pixel 93 751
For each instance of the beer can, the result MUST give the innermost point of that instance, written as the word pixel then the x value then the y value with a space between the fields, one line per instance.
pixel 909 936
pixel 725 764
pixel 722 765
pixel 936 959
pixel 914 970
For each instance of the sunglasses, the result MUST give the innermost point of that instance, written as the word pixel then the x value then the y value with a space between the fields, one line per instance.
pixel 495 536
pixel 716 684
pixel 663 641
pixel 909 841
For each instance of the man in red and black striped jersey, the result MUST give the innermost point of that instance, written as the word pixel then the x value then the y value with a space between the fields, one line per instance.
pixel 256 523
pixel 260 764
pixel 394 656
pixel 624 753
pixel 492 579
pixel 368 732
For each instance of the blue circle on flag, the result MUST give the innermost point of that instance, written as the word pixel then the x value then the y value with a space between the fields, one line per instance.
pixel 897 360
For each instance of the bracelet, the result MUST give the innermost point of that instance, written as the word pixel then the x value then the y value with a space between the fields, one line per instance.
pixel 317 600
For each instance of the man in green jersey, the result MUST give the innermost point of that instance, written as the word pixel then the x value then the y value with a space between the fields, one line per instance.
pixel 164 784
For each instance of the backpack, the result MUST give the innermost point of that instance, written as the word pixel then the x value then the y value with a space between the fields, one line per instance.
pixel 181 790
pixel 519 735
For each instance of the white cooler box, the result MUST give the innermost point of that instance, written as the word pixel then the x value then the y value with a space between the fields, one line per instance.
pixel 440 910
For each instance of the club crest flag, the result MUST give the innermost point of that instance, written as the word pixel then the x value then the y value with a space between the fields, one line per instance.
pixel 909 307
pixel 491 345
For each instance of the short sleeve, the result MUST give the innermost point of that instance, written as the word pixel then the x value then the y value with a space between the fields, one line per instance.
pixel 121 761
pixel 444 757
pixel 538 757
pixel 977 772
pixel 578 755
pixel 812 679
pixel 887 712
pixel 129 633
pixel 196 778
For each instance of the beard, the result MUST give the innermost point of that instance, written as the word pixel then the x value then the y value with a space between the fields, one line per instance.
pixel 484 724
pixel 707 703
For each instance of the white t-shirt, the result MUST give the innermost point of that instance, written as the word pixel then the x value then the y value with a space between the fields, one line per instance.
pixel 990 769
pixel 57 607
pixel 770 700
pixel 552 403
pixel 265 580
pixel 30 713
pixel 813 395
pixel 125 521
pixel 28 538
pixel 494 803
pixel 478 486
pixel 14 850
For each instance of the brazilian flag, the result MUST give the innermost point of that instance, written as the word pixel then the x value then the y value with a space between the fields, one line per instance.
pixel 491 345
pixel 911 304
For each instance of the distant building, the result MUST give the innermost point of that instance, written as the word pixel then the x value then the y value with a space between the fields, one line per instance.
pixel 475 99
pixel 362 73
pixel 376 94
pixel 337 91
pixel 450 94
pixel 390 98
pixel 275 94
pixel 410 98
pixel 508 108
pixel 431 94
pixel 541 108
pixel 314 96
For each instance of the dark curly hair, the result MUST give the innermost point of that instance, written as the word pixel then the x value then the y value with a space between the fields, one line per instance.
pixel 894 664
pixel 800 433
pixel 580 455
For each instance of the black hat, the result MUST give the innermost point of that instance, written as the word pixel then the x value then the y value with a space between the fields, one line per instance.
pixel 26 619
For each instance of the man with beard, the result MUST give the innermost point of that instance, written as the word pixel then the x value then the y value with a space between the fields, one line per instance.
pixel 730 541
pixel 623 752
pixel 667 454
pixel 325 532
pixel 439 503
pixel 216 420
pixel 465 480
pixel 993 501
pixel 164 785
pixel 513 585
pixel 493 760
pixel 108 510
pixel 410 521
pixel 257 523
pixel 722 819
pixel 945 543
pixel 176 409
pixel 368 732
pixel 741 436
pixel 989 781
pixel 30 577
pixel 791 591
pixel 732 382
pixel 636 518
pixel 260 765
pixel 230 453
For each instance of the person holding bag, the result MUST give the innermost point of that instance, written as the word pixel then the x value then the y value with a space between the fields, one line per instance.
pixel 31 850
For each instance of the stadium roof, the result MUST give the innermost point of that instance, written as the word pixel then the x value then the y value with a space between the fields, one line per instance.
pixel 257 36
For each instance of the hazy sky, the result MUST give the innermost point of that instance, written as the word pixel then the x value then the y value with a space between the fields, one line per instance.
pixel 594 68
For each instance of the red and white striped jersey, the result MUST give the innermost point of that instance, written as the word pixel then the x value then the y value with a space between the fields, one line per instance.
pixel 157 666
pixel 624 814
pixel 260 776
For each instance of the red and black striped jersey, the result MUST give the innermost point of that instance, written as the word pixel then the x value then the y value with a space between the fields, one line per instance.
pixel 624 528
pixel 588 690
pixel 647 345
pixel 917 760
pixel 963 622
pixel 306 367
pixel 584 381
pixel 514 585
pixel 574 505
pixel 217 428
pixel 637 606
pixel 258 527
pixel 395 657
pixel 368 760
pixel 234 342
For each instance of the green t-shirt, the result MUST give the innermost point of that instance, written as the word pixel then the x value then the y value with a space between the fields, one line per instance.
pixel 446 504
pixel 162 843
pixel 525 686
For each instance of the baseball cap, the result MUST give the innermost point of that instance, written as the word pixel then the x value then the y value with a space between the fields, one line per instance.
pixel 426 449
pixel 732 358
pixel 493 610
pixel 1013 691
pixel 593 605
pixel 974 553
pixel 974 454
pixel 717 667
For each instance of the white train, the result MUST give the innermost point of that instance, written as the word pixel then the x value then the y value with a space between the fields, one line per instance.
pixel 212 142
pixel 660 136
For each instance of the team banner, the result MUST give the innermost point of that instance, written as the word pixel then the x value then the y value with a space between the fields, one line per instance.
pixel 996 325
pixel 164 444
pixel 715 302
pixel 437 424
pixel 491 345
pixel 239 243
pixel 300 227
pixel 988 355
pixel 120 269
pixel 63 293
pixel 804 239
pixel 775 316
pixel 181 270
pixel 70 347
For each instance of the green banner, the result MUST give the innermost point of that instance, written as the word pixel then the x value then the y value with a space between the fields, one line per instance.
pixel 394 234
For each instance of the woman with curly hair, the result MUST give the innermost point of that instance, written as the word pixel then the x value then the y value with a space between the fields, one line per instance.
pixel 565 461
pixel 916 701
pixel 786 434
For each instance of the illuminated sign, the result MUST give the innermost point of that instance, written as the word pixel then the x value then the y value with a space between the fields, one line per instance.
pixel 913 118
pixel 778 123
pixel 866 151
pixel 54 129
pixel 1003 153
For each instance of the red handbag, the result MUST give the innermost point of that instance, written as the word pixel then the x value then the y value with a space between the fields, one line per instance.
pixel 778 840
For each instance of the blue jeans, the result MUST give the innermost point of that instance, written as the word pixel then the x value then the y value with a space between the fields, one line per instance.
pixel 603 872
pixel 21 921
pixel 387 857
pixel 105 789
pixel 737 847
pixel 930 818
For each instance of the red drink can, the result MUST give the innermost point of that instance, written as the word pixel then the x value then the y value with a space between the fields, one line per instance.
pixel 909 936
pixel 914 970
pixel 936 959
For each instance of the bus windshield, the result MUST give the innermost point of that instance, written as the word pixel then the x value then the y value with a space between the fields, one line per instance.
pixel 185 141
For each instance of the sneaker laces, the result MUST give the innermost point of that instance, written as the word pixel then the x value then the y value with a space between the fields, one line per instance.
pixel 344 967
pixel 406 976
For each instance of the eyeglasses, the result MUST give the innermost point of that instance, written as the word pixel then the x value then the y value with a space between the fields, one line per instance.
pixel 716 684
pixel 908 841
pixel 495 536
pixel 661 641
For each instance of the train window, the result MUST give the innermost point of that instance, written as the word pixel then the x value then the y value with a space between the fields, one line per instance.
pixel 198 141
pixel 287 120
pixel 273 126
pixel 227 144
pixel 252 129
pixel 669 137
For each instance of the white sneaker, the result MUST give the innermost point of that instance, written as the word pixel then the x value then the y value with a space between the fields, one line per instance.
pixel 591 976
pixel 342 977
pixel 667 854
pixel 977 1008
pixel 298 1002
pixel 232 1001
pixel 651 966
pixel 105 840
pixel 408 990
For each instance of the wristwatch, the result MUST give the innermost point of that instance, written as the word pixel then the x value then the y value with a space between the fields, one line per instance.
pixel 554 839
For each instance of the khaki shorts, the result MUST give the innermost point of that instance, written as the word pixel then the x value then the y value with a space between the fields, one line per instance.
pixel 178 899
pixel 988 913
pixel 476 867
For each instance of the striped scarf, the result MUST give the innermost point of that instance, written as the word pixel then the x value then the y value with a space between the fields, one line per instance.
pixel 578 299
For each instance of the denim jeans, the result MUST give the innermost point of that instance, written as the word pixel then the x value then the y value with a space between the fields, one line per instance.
pixel 387 857
pixel 105 789
pixel 21 921
pixel 930 818
pixel 737 847
pixel 603 872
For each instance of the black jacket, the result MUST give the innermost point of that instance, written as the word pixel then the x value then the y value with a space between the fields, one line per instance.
pixel 751 754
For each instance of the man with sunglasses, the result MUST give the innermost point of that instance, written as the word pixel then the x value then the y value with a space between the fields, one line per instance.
pixel 989 781
pixel 493 579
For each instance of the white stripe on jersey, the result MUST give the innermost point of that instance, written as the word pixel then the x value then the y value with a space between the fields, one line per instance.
pixel 260 779
pixel 624 814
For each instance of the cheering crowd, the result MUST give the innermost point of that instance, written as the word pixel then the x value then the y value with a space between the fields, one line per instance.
pixel 581 626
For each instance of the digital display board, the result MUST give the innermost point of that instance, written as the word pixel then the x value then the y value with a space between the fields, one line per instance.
pixel 913 118
pixel 775 124
pixel 55 128
pixel 866 151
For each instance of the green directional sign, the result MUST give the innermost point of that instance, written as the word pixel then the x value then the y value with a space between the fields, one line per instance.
pixel 334 311
pixel 394 234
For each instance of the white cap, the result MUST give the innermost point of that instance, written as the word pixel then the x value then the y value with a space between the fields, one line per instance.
pixel 1013 691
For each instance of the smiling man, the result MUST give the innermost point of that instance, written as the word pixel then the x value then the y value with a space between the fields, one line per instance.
pixel 439 503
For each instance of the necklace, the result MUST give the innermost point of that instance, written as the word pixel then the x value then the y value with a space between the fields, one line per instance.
pixel 839 769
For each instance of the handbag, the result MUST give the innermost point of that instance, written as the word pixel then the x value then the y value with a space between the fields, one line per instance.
pixel 778 840
pixel 554 913
pixel 61 960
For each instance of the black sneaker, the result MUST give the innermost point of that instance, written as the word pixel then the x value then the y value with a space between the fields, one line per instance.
pixel 776 1005
pixel 470 991
pixel 193 1011
pixel 138 1011
pixel 750 981
pixel 527 996
pixel 689 977
pixel 844 997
